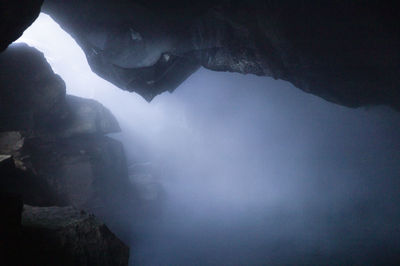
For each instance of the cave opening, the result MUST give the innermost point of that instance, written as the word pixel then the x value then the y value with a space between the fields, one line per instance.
pixel 236 169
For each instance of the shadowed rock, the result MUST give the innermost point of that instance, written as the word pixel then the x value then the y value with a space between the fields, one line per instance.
pixel 32 95
pixel 17 180
pixel 87 117
pixel 10 225
pixel 84 171
pixel 15 17
pixel 344 51
pixel 66 236
pixel 64 147
pixel 59 156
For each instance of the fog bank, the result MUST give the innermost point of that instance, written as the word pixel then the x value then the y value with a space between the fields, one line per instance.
pixel 241 170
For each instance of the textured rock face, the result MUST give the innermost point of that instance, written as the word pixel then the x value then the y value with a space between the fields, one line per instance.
pixel 66 236
pixel 19 180
pixel 107 39
pixel 59 156
pixel 10 142
pixel 33 98
pixel 50 235
pixel 64 149
pixel 344 51
pixel 87 171
pixel 87 117
pixel 32 95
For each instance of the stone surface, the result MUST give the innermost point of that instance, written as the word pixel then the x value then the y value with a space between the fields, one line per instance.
pixel 31 94
pixel 108 37
pixel 344 51
pixel 53 152
pixel 15 17
pixel 24 183
pixel 66 236
pixel 87 117
pixel 33 97
pixel 63 150
pixel 11 142
pixel 87 172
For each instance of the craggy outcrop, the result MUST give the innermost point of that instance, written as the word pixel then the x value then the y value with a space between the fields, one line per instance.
pixel 86 171
pixel 19 180
pixel 66 236
pixel 54 152
pixel 32 96
pixel 63 146
pixel 50 235
pixel 344 51
pixel 87 117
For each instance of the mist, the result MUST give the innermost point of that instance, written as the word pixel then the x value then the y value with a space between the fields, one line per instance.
pixel 243 170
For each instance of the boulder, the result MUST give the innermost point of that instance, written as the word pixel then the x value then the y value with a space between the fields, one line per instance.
pixel 33 99
pixel 66 236
pixel 25 184
pixel 87 171
pixel 11 142
pixel 32 95
pixel 60 155
pixel 53 152
pixel 87 117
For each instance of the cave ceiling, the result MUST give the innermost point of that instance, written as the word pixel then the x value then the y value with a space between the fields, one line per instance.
pixel 346 52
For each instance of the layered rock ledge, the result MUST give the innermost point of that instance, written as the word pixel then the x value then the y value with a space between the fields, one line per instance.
pixel 54 152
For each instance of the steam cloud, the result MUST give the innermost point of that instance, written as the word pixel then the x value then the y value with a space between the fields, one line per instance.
pixel 248 170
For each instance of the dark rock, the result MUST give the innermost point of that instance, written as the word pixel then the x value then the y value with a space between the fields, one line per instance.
pixel 6 164
pixel 66 236
pixel 87 172
pixel 31 94
pixel 67 160
pixel 62 157
pixel 25 184
pixel 107 39
pixel 15 17
pixel 17 177
pixel 344 51
pixel 11 142
pixel 53 152
pixel 10 208
pixel 33 98
pixel 87 117
pixel 10 226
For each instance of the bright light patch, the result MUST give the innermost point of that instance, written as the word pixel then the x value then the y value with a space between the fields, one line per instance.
pixel 61 51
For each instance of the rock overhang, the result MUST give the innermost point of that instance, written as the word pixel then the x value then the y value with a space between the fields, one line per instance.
pixel 345 52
